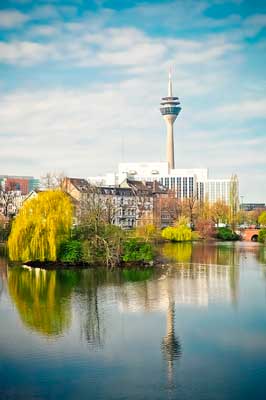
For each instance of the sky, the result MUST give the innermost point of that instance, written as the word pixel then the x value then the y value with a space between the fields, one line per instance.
pixel 81 83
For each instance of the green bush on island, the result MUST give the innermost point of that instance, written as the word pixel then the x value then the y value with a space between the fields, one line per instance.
pixel 70 251
pixel 226 234
pixel 137 250
pixel 262 236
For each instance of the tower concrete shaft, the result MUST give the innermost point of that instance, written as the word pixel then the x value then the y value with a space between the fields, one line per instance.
pixel 170 146
pixel 170 108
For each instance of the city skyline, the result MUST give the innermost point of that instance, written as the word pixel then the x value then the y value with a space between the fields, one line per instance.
pixel 80 86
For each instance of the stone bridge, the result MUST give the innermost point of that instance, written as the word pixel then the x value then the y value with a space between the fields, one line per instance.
pixel 250 234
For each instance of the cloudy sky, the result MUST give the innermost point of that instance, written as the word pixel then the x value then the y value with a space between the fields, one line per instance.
pixel 81 82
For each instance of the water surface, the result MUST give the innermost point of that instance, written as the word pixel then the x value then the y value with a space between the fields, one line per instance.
pixel 193 329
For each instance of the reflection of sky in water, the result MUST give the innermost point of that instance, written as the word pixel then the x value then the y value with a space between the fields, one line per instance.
pixel 194 329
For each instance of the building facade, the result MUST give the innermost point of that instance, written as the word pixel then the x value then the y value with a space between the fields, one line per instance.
pixel 23 184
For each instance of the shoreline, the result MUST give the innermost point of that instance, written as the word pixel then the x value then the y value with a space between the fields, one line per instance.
pixel 57 265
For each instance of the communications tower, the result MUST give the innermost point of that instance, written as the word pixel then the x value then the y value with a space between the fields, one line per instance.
pixel 170 108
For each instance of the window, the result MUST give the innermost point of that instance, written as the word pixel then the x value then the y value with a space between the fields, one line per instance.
pixel 178 187
pixel 185 188
pixel 172 183
pixel 191 187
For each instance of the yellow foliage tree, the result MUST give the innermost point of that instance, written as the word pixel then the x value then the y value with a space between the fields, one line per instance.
pixel 179 233
pixel 40 227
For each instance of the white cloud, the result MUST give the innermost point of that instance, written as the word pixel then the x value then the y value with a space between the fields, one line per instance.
pixel 42 30
pixel 245 109
pixel 24 53
pixel 12 18
pixel 252 25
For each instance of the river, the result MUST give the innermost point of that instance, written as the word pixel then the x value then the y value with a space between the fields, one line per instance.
pixel 194 328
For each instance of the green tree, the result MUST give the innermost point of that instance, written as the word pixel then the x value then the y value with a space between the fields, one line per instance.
pixel 262 218
pixel 262 236
pixel 42 224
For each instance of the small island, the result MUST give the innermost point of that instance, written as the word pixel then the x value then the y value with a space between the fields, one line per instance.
pixel 51 231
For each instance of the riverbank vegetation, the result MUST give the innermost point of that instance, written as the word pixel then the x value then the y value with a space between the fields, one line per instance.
pixel 44 231
pixel 262 232
pixel 48 230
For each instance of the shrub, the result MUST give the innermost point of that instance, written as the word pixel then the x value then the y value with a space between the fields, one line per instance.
pixel 179 233
pixel 262 236
pixel 226 234
pixel 147 232
pixel 205 228
pixel 70 251
pixel 137 250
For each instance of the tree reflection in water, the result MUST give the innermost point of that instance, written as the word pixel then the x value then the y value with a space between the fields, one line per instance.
pixel 3 272
pixel 91 313
pixel 209 262
pixel 180 252
pixel 42 298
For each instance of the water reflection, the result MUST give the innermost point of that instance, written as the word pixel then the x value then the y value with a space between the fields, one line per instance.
pixel 3 275
pixel 91 296
pixel 42 298
pixel 261 255
pixel 196 275
pixel 159 325
pixel 180 252
pixel 171 346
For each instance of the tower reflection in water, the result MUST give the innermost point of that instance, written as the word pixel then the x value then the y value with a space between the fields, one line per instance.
pixel 171 346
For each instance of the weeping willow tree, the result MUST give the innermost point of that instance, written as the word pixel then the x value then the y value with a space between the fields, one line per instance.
pixel 178 233
pixel 42 224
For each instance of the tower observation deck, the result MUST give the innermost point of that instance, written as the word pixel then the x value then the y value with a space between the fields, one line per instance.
pixel 170 108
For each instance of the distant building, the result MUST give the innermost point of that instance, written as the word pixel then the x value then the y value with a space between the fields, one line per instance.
pixel 128 205
pixel 253 206
pixel 184 182
pixel 10 203
pixel 23 184
pixel 217 189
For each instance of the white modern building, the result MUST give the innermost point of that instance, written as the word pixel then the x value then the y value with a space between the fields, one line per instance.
pixel 217 189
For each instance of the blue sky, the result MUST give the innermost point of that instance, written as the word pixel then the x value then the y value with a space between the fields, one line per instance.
pixel 81 82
